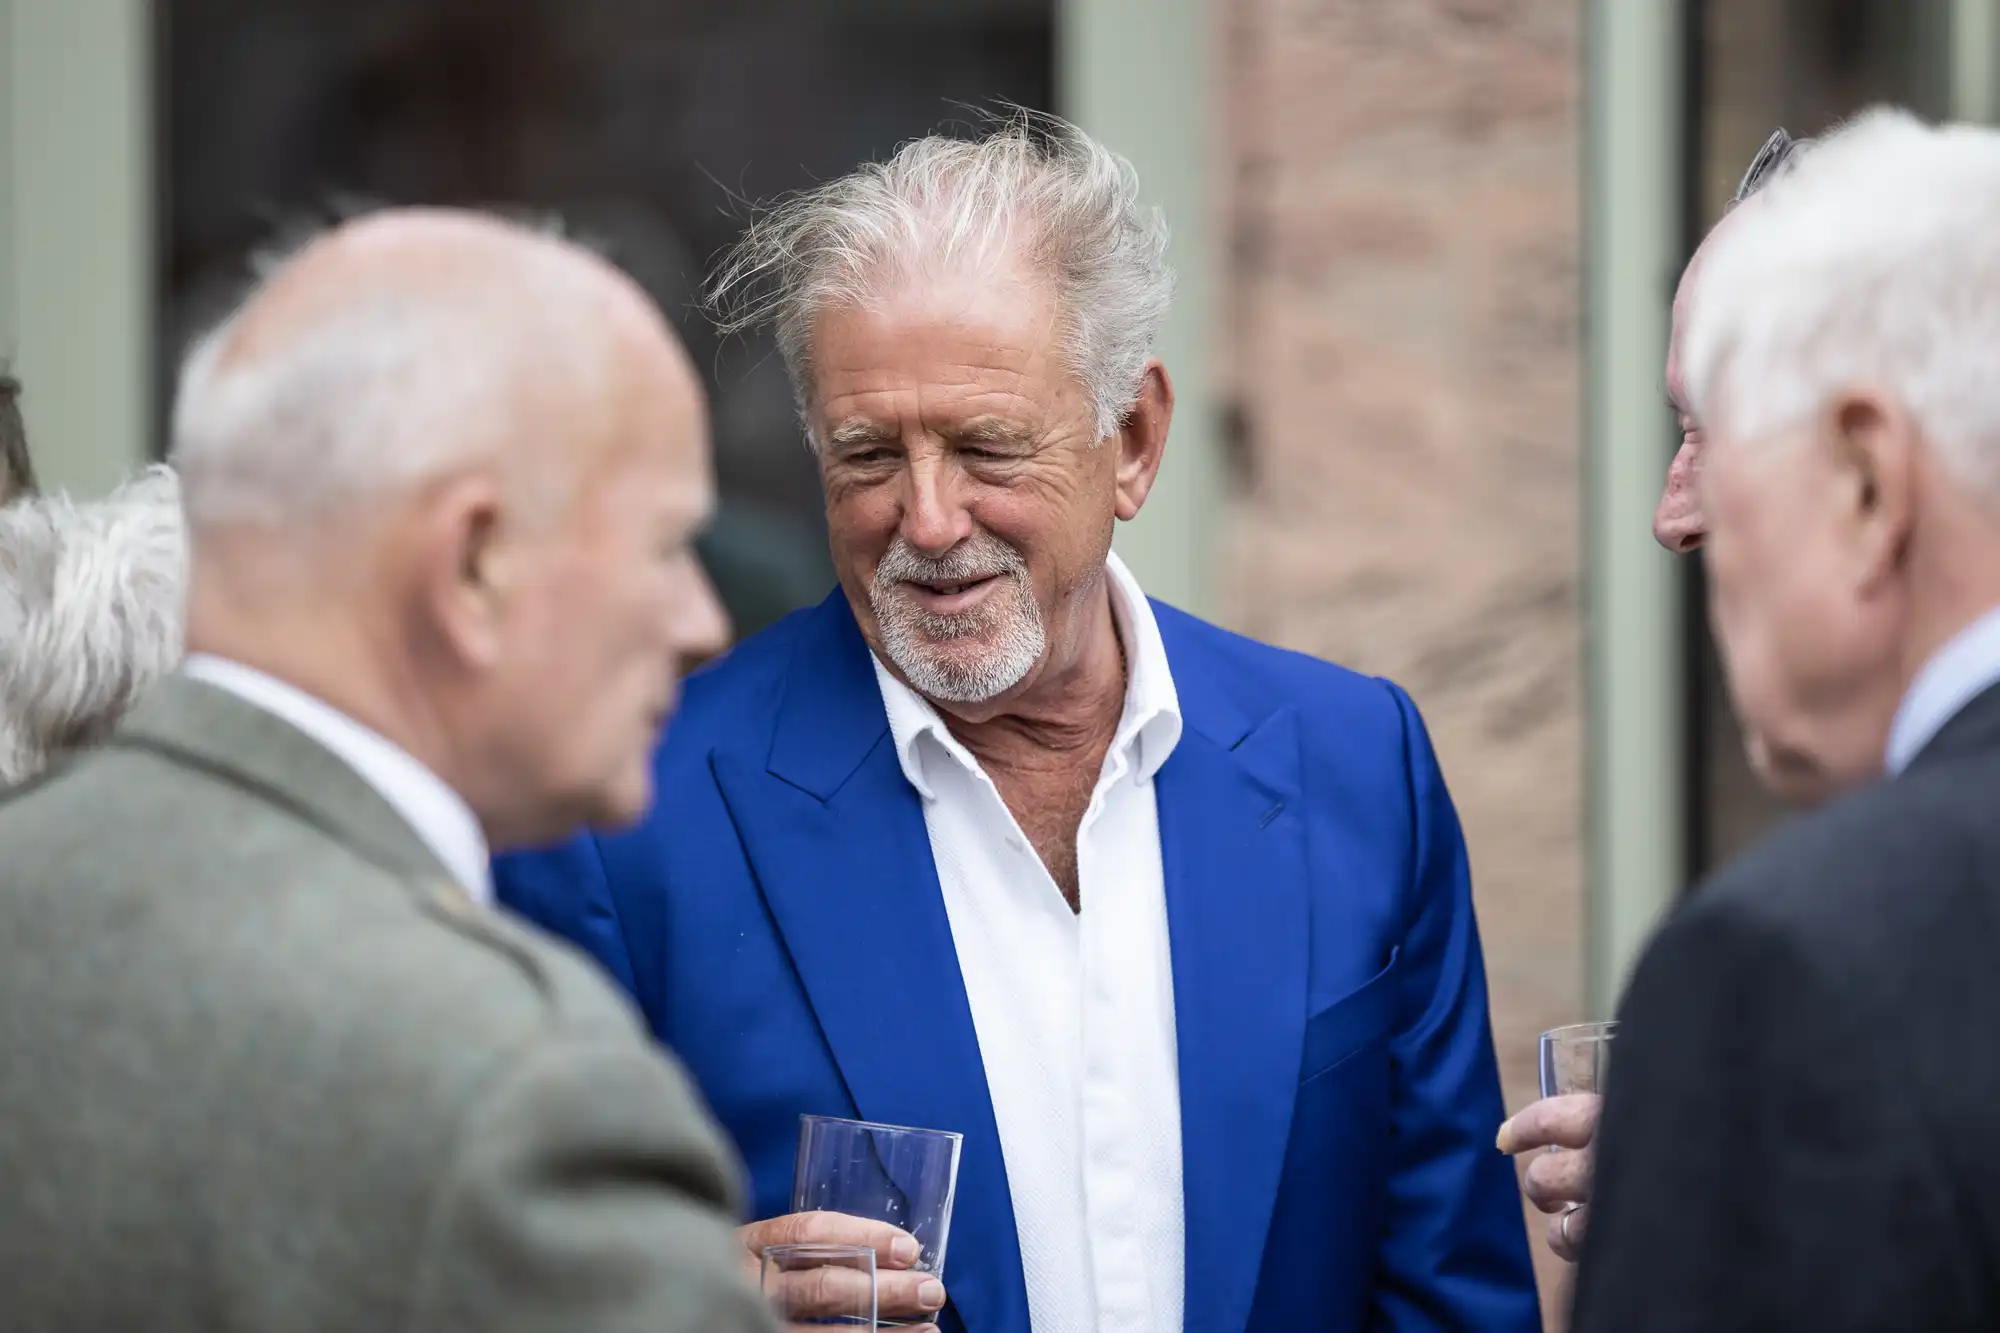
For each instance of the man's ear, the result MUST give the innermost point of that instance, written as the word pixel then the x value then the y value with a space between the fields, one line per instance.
pixel 467 563
pixel 1141 439
pixel 1874 444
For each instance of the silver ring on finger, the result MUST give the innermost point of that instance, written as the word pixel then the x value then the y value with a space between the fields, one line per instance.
pixel 1562 1227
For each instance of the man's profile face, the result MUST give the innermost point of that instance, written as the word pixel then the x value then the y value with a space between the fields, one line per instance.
pixel 1677 520
pixel 1681 525
pixel 969 502
pixel 611 602
pixel 1678 523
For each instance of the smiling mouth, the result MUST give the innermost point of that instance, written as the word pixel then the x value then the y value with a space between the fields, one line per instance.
pixel 964 585
pixel 950 597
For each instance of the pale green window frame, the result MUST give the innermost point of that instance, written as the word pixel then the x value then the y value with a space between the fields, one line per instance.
pixel 1635 635
pixel 1975 60
pixel 76 233
pixel 1139 76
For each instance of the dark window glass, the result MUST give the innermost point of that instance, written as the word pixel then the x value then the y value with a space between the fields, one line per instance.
pixel 643 123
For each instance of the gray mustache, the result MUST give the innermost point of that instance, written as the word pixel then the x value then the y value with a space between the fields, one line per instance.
pixel 968 561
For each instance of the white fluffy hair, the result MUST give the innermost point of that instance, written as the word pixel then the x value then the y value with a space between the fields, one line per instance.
pixel 91 614
pixel 1036 189
pixel 1875 261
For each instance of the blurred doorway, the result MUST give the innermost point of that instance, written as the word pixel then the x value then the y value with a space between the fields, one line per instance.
pixel 1805 65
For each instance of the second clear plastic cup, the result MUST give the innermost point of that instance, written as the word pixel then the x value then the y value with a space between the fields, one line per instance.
pixel 821 1286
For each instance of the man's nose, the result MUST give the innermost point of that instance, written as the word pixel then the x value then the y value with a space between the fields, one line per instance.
pixel 1678 526
pixel 934 517
pixel 701 626
pixel 1677 519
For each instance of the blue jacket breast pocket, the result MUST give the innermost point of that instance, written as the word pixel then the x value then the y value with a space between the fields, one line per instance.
pixel 1351 1023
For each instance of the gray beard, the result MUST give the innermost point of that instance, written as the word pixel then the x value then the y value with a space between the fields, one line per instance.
pixel 919 642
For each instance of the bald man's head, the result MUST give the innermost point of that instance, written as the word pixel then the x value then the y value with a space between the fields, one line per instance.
pixel 404 344
pixel 445 472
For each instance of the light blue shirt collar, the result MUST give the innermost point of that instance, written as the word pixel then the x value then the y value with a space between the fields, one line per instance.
pixel 1957 674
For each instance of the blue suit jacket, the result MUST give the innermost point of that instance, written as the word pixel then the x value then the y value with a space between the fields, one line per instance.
pixel 778 919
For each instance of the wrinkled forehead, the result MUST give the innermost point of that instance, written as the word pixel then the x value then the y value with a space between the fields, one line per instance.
pixel 1685 294
pixel 999 289
pixel 936 333
pixel 1691 276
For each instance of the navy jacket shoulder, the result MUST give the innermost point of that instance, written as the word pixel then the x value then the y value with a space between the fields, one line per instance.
pixel 1798 1131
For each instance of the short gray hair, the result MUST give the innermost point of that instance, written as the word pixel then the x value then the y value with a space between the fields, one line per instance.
pixel 1874 263
pixel 1036 188
pixel 92 609
pixel 384 391
pixel 374 396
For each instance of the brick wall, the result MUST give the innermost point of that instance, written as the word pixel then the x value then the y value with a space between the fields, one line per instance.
pixel 1402 354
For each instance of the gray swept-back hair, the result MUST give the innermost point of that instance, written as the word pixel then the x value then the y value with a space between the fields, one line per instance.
pixel 1035 189
pixel 91 614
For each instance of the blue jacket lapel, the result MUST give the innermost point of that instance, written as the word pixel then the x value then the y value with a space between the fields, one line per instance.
pixel 836 837
pixel 1233 847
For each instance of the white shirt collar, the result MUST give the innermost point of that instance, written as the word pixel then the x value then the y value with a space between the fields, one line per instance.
pixel 438 814
pixel 1150 727
pixel 1955 675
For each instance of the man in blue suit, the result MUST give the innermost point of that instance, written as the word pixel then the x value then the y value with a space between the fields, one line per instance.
pixel 1174 927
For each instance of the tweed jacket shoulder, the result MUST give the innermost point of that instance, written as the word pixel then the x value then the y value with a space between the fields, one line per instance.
pixel 265 1067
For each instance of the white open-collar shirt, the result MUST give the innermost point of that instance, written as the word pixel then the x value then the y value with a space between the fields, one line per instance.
pixel 427 804
pixel 1074 1010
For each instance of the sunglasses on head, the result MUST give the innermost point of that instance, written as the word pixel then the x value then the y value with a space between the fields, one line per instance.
pixel 1770 159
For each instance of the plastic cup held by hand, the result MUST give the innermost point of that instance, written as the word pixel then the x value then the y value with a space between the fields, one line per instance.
pixel 888 1173
pixel 821 1286
pixel 1575 1058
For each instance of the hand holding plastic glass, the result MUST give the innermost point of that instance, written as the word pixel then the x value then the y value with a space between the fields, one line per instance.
pixel 905 1177
pixel 1576 1058
pixel 821 1286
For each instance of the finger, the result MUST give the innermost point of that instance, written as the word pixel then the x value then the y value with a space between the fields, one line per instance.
pixel 894 1247
pixel 1568 1248
pixel 1557 1180
pixel 909 1294
pixel 1566 1122
pixel 823 1292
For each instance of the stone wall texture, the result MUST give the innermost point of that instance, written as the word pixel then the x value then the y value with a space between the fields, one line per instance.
pixel 1402 360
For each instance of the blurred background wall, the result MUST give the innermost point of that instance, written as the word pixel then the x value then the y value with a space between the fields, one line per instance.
pixel 1427 249
pixel 1402 362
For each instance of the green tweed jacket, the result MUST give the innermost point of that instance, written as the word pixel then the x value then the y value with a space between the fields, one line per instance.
pixel 264 1067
